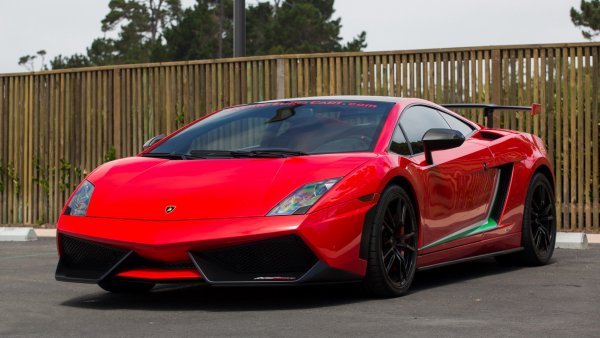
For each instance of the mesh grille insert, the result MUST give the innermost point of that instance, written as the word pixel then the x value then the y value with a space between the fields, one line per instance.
pixel 283 256
pixel 81 254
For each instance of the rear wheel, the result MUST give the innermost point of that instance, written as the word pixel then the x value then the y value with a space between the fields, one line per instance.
pixel 125 286
pixel 539 225
pixel 539 222
pixel 393 245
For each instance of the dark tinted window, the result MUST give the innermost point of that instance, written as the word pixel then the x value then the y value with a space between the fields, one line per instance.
pixel 313 127
pixel 457 124
pixel 399 144
pixel 416 121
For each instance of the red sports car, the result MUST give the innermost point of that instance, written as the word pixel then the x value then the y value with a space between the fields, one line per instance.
pixel 311 190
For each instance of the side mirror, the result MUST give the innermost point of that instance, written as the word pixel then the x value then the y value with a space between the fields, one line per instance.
pixel 441 139
pixel 152 141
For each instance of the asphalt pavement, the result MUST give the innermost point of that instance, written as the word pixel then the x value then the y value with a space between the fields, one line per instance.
pixel 472 299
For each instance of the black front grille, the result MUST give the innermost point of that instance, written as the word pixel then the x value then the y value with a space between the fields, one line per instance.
pixel 147 263
pixel 78 254
pixel 279 257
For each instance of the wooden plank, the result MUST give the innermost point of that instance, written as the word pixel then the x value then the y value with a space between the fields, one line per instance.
pixel 595 140
pixel 332 76
pixel 528 89
pixel 549 103
pixel 459 93
pixel 365 76
pixel 587 138
pixel 451 94
pixel 579 73
pixel 474 87
pixel 338 76
pixel 352 77
pixel 418 74
pixel 405 76
pixel 536 89
pixel 566 135
pixel 573 137
pixel 558 170
pixel 392 73
pixel 319 79
pixel 411 87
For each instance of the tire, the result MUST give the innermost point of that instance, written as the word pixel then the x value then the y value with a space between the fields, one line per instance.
pixel 538 234
pixel 125 286
pixel 539 222
pixel 392 257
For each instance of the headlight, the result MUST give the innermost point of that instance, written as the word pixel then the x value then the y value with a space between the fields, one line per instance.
pixel 81 199
pixel 302 199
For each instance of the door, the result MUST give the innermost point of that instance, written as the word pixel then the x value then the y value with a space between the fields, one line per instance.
pixel 458 189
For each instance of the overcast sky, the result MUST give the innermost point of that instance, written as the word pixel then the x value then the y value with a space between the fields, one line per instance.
pixel 69 26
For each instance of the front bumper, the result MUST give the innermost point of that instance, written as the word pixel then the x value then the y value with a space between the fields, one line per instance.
pixel 318 247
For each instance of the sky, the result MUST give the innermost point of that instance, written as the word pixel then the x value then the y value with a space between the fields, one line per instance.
pixel 69 26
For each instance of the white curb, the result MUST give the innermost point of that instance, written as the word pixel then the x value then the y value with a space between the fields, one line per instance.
pixel 593 238
pixel 45 232
pixel 17 234
pixel 571 240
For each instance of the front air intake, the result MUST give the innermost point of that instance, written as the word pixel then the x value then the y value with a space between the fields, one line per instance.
pixel 85 260
pixel 279 259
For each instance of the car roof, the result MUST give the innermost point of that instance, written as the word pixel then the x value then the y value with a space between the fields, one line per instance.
pixel 391 99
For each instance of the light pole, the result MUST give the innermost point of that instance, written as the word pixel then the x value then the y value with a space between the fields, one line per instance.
pixel 239 28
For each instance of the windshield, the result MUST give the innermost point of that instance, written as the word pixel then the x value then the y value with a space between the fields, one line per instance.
pixel 284 128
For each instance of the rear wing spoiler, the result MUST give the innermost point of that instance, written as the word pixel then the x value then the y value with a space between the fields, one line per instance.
pixel 488 109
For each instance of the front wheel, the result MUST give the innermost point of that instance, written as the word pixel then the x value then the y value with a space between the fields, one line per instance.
pixel 392 257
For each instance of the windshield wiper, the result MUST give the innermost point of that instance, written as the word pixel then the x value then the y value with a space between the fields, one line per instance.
pixel 271 153
pixel 261 153
pixel 173 156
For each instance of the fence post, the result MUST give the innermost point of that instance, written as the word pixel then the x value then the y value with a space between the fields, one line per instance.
pixel 116 93
pixel 280 79
pixel 496 83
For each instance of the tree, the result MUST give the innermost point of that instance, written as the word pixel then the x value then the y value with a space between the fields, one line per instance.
pixel 159 30
pixel 589 17
pixel 306 26
pixel 73 61
pixel 28 61
pixel 140 24
pixel 202 32
pixel 282 27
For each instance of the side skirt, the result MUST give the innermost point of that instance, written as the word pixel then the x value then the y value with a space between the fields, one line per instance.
pixel 472 258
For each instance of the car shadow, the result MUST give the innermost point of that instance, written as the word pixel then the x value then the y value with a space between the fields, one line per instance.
pixel 456 273
pixel 206 298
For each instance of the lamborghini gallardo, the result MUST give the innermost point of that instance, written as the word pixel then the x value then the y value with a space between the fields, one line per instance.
pixel 312 190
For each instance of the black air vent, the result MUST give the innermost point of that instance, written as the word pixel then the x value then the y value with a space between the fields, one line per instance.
pixel 488 135
pixel 287 257
pixel 501 191
pixel 85 260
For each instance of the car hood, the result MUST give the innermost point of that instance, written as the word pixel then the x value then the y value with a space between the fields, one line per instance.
pixel 143 187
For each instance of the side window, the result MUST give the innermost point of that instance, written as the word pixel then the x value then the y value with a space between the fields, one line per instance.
pixel 399 144
pixel 457 124
pixel 416 121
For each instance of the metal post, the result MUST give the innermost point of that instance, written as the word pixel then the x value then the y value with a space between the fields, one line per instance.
pixel 239 27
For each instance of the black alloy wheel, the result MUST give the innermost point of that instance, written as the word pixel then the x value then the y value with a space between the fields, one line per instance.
pixel 538 236
pixel 539 222
pixel 393 245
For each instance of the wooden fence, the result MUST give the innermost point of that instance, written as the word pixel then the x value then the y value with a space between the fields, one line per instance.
pixel 56 126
